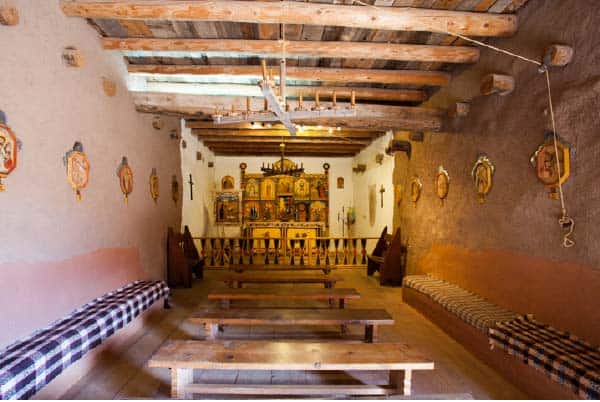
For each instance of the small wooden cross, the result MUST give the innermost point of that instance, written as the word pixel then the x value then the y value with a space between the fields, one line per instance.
pixel 191 183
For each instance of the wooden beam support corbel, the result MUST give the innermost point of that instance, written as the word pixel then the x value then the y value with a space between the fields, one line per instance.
pixel 558 55
pixel 9 15
pixel 497 84
pixel 459 109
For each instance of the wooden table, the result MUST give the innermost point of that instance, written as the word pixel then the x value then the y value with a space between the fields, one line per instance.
pixel 182 357
pixel 238 280
pixel 280 267
pixel 371 319
pixel 226 295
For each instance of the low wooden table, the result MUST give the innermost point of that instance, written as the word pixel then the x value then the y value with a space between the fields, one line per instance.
pixel 238 280
pixel 227 295
pixel 182 357
pixel 371 319
pixel 280 267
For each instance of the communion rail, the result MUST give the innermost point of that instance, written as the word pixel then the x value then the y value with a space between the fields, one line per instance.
pixel 340 251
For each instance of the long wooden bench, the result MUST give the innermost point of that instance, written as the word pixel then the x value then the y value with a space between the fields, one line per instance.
pixel 182 357
pixel 237 280
pixel 326 269
pixel 371 319
pixel 225 296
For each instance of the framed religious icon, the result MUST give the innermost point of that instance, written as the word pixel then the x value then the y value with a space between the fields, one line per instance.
pixel 125 175
pixel 318 211
pixel 227 206
pixel 267 189
pixel 8 152
pixel 398 189
pixel 268 210
pixel 442 183
pixel 174 189
pixel 552 169
pixel 416 186
pixel 482 173
pixel 340 182
pixel 302 212
pixel 252 210
pixel 285 185
pixel 301 189
pixel 252 191
pixel 78 169
pixel 154 185
pixel 227 183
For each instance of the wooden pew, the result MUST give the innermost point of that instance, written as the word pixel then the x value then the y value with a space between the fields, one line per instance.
pixel 182 357
pixel 238 280
pixel 389 258
pixel 275 268
pixel 371 319
pixel 182 259
pixel 227 295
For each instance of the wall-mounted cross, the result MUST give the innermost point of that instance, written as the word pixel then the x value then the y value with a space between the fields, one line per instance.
pixel 191 182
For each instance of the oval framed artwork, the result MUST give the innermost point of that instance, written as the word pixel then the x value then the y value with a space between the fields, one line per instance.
pixel 483 173
pixel 154 185
pixel 442 183
pixel 416 186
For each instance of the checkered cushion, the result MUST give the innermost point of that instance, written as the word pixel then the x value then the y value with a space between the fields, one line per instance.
pixel 567 359
pixel 29 364
pixel 468 306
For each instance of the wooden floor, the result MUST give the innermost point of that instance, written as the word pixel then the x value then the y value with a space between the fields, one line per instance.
pixel 124 374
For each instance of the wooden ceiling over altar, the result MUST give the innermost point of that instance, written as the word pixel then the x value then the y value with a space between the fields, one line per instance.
pixel 191 57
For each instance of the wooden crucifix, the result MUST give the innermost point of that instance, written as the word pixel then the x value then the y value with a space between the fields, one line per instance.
pixel 191 183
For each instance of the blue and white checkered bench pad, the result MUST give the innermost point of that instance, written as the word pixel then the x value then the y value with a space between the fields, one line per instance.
pixel 565 358
pixel 29 364
pixel 468 306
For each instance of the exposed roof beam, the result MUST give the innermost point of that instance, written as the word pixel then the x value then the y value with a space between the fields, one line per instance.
pixel 265 128
pixel 291 12
pixel 273 48
pixel 307 92
pixel 339 75
pixel 215 140
pixel 401 117
pixel 268 134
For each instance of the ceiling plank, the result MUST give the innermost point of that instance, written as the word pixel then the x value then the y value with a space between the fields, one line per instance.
pixel 305 48
pixel 402 117
pixel 232 141
pixel 278 133
pixel 291 12
pixel 307 92
pixel 333 75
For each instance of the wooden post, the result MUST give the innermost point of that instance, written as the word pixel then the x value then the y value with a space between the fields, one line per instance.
pixel 180 379
pixel 497 84
pixel 401 380
pixel 558 55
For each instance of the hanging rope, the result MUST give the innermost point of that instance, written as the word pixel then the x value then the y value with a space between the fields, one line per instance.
pixel 566 223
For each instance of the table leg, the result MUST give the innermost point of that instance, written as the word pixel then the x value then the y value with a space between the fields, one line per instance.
pixel 180 379
pixel 402 381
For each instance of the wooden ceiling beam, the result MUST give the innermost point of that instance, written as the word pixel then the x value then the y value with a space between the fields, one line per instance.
pixel 307 92
pixel 301 133
pixel 214 140
pixel 417 118
pixel 317 49
pixel 292 12
pixel 319 74
pixel 209 124
pixel 321 154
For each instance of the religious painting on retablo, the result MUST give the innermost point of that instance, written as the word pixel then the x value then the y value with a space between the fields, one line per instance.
pixel 154 185
pixel 8 153
pixel 78 169
pixel 227 206
pixel 267 189
pixel 227 183
pixel 252 210
pixel 125 175
pixel 285 185
pixel 301 189
pixel 318 211
pixel 268 211
pixel 251 190
pixel 482 173
pixel 442 183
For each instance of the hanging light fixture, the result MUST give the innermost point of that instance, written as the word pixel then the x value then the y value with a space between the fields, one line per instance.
pixel 280 169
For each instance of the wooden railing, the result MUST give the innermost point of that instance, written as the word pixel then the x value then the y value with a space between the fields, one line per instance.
pixel 344 251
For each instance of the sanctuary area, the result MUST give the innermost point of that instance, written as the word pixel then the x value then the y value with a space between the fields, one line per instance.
pixel 258 199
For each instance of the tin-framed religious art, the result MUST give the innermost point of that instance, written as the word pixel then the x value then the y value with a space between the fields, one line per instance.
pixel 544 160
pixel 340 182
pixel 483 174
pixel 227 183
pixel 154 185
pixel 9 149
pixel 125 175
pixel 398 189
pixel 227 208
pixel 174 189
pixel 442 183
pixel 78 169
pixel 416 186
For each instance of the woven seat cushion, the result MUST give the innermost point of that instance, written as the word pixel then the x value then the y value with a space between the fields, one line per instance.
pixel 468 306
pixel 565 358
pixel 29 364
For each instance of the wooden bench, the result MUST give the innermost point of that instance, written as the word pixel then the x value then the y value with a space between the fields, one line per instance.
pixel 182 357
pixel 238 280
pixel 267 267
pixel 227 295
pixel 371 319
pixel 389 259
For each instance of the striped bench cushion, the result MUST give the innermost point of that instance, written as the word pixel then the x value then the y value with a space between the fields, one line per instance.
pixel 29 364
pixel 468 306
pixel 565 358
